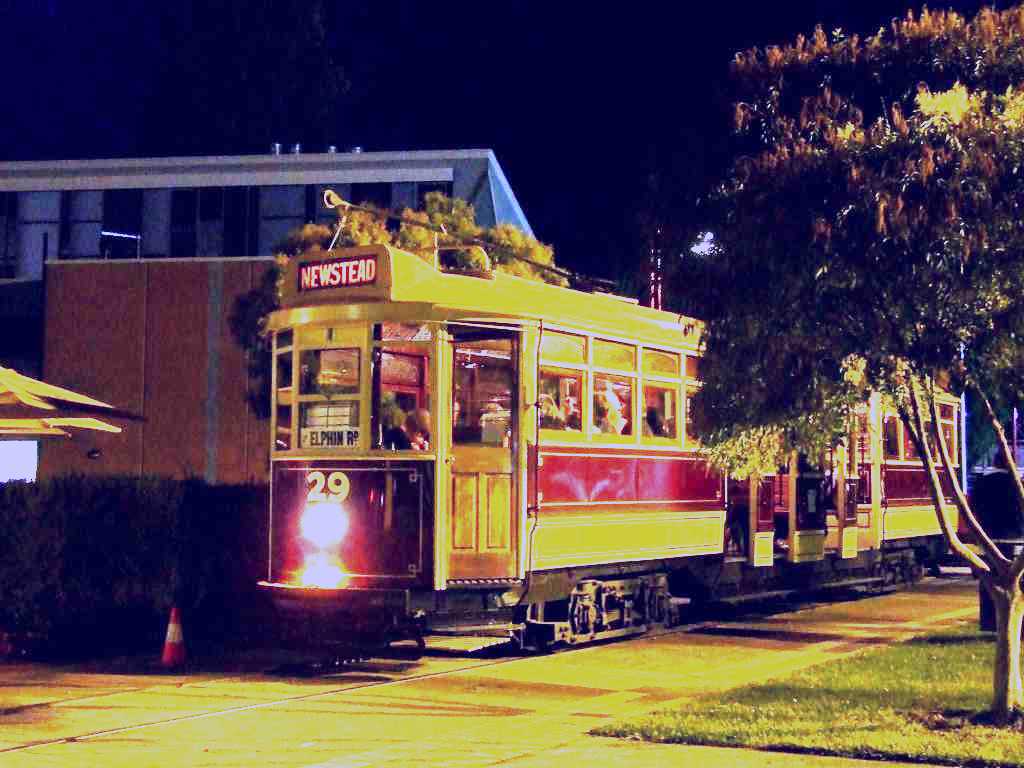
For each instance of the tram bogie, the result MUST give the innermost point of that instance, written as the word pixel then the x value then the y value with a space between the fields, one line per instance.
pixel 600 609
pixel 503 455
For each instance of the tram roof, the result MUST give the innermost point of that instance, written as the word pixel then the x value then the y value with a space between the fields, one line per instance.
pixel 366 282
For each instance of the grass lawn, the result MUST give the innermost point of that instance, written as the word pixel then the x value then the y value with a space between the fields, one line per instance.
pixel 912 701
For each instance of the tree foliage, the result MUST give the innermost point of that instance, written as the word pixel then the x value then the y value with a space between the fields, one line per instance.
pixel 868 244
pixel 870 225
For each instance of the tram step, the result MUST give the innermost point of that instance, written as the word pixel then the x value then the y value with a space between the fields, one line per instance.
pixel 463 643
pixel 491 629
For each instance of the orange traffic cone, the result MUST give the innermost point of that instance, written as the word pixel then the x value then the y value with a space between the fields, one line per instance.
pixel 174 645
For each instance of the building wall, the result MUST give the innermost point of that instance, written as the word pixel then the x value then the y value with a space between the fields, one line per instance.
pixel 153 339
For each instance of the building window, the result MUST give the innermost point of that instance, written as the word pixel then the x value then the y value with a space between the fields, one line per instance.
pixel 121 235
pixel 81 221
pixel 8 234
pixel 183 223
pixel 211 203
pixel 424 188
pixel 377 194
pixel 241 224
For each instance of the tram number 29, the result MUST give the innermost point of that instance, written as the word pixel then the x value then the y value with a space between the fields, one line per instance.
pixel 321 486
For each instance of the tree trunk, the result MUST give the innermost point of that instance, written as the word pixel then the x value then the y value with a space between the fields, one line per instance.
pixel 1008 693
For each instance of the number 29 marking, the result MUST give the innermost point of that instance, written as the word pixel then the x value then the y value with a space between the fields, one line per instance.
pixel 334 486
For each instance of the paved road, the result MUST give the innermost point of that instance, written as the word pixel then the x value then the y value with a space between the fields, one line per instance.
pixel 520 712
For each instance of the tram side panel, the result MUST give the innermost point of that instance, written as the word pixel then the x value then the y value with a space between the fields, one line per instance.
pixel 907 502
pixel 624 506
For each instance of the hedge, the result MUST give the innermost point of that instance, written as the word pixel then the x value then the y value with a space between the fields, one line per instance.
pixel 92 565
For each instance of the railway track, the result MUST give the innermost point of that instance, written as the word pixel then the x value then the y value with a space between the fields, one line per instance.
pixel 224 711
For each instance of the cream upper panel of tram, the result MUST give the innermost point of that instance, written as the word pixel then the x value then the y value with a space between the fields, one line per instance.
pixel 341 285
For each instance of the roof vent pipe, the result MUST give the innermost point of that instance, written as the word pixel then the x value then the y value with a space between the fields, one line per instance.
pixel 275 148
pixel 356 150
pixel 296 149
pixel 332 149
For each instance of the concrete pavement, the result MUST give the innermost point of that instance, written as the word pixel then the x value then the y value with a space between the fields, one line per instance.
pixel 525 712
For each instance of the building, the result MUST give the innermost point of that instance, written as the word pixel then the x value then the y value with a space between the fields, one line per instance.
pixel 120 276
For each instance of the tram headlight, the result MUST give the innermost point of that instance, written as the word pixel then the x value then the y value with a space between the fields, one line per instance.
pixel 324 523
pixel 323 571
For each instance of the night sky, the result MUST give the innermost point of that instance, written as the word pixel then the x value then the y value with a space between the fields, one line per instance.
pixel 582 103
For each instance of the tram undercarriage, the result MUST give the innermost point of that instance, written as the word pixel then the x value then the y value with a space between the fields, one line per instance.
pixel 573 607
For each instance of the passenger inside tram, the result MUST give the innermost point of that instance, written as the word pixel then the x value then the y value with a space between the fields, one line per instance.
pixel 612 403
pixel 412 434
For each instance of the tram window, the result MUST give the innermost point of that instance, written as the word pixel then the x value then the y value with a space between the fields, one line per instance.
pixel 691 367
pixel 691 433
pixel 403 332
pixel 863 447
pixel 284 338
pixel 558 347
pixel 890 437
pixel 283 428
pixel 560 400
pixel 329 372
pixel 659 416
pixel 933 444
pixel 403 391
pixel 661 363
pixel 612 354
pixel 329 425
pixel 613 405
pixel 484 381
pixel 909 449
pixel 284 378
pixel 949 436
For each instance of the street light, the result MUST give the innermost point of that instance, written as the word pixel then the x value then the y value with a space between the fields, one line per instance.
pixel 125 236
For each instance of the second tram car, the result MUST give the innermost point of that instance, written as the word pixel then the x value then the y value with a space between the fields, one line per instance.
pixel 478 452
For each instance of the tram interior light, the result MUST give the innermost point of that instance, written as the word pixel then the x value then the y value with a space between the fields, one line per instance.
pixel 324 523
pixel 323 571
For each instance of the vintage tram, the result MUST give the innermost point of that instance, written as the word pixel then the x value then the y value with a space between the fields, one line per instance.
pixel 470 451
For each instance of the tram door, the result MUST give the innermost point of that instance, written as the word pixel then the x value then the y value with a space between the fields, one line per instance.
pixel 483 519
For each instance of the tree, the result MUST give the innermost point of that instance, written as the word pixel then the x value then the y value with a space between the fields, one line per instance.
pixel 871 220
pixel 509 249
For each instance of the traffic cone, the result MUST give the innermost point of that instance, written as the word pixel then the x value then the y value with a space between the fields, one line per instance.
pixel 174 644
